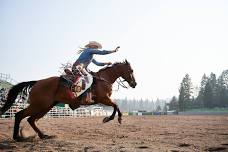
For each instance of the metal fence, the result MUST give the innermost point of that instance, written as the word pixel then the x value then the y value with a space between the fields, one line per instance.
pixel 59 112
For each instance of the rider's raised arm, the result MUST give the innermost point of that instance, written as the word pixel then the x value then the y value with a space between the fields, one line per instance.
pixel 98 63
pixel 101 52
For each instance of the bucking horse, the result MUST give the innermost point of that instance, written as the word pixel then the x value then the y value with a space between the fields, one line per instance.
pixel 46 93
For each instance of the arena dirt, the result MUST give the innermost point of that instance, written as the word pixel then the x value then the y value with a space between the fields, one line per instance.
pixel 136 133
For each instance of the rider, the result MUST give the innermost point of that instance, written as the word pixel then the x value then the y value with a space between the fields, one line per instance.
pixel 86 57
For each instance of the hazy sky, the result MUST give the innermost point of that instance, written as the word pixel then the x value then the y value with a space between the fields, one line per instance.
pixel 163 40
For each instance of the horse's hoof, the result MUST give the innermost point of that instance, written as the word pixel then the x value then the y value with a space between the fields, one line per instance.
pixel 51 137
pixel 73 107
pixel 19 139
pixel 106 119
pixel 48 137
pixel 120 120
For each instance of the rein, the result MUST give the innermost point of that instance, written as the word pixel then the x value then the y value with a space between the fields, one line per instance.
pixel 120 83
pixel 100 78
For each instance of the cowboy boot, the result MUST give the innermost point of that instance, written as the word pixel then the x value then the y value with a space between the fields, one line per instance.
pixel 87 98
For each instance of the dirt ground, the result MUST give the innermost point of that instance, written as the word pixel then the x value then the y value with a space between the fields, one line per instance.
pixel 136 133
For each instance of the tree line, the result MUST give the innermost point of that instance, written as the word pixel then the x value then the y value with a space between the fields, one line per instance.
pixel 130 105
pixel 213 92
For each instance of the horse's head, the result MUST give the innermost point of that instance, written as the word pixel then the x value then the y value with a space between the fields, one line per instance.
pixel 127 74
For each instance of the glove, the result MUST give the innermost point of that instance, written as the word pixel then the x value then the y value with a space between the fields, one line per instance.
pixel 108 63
pixel 117 48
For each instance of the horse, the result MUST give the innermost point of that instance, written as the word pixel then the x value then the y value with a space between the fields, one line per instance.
pixel 46 93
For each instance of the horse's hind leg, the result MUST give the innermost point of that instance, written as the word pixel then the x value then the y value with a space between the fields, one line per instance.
pixel 18 117
pixel 32 121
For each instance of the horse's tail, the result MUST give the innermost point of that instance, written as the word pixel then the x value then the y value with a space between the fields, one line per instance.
pixel 13 92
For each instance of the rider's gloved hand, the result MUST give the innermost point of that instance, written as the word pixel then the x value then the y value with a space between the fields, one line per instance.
pixel 117 49
pixel 108 63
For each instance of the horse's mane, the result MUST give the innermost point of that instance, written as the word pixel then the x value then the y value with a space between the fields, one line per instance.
pixel 114 64
pixel 107 67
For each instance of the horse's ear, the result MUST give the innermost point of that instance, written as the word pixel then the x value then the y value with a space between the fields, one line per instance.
pixel 125 61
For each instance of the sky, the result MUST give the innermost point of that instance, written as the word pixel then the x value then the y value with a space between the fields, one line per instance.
pixel 162 39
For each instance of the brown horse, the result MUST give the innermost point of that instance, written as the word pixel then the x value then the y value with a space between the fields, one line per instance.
pixel 46 93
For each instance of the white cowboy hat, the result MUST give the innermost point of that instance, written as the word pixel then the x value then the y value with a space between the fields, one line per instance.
pixel 92 43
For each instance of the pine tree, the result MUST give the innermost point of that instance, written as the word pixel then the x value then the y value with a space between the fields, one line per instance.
pixel 223 89
pixel 185 92
pixel 210 92
pixel 200 98
pixel 152 106
pixel 214 88
pixel 208 95
pixel 173 105
pixel 158 108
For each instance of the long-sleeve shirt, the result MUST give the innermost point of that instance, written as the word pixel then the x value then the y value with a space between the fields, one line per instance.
pixel 86 57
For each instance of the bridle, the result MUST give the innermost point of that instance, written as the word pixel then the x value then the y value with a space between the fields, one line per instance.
pixel 120 83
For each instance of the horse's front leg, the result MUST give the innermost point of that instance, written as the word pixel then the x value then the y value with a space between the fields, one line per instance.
pixel 74 106
pixel 74 102
pixel 107 119
pixel 119 115
pixel 107 101
pixel 81 101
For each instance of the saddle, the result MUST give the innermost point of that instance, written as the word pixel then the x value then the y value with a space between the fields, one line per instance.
pixel 78 84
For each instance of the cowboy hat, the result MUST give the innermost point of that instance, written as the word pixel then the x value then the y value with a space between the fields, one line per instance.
pixel 92 43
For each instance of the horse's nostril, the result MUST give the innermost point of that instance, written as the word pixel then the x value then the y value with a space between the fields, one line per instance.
pixel 134 84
